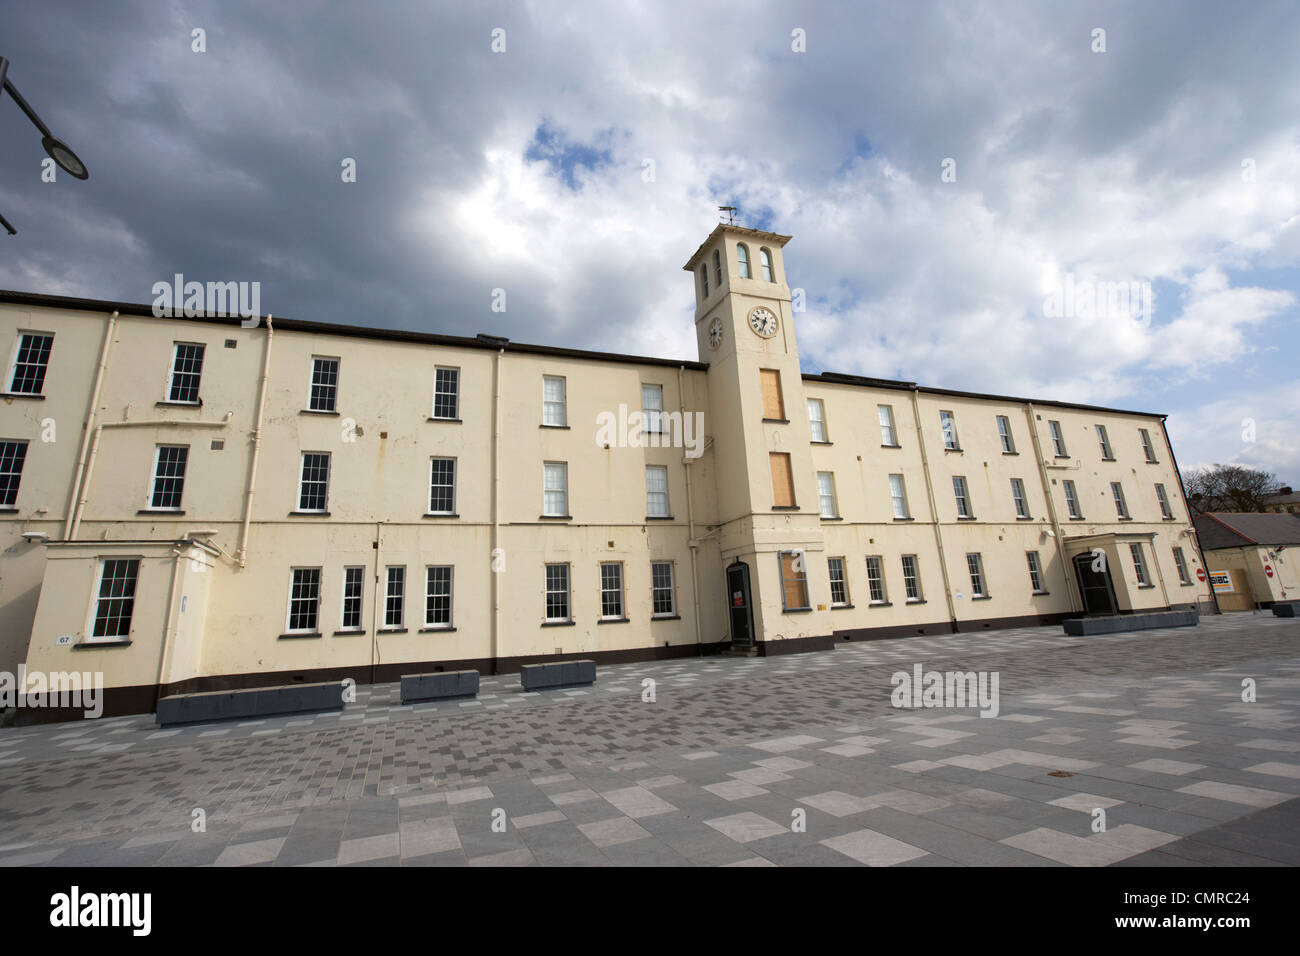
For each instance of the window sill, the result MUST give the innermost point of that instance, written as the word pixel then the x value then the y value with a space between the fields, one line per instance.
pixel 1024 517
pixel 309 514
pixel 1124 518
pixel 1038 593
pixel 8 511
pixel 160 511
pixel 796 610
pixel 439 514
pixel 391 630
pixel 658 517
pixel 1061 457
pixel 87 645
pixel 1187 584
pixel 1104 458
pixel 1005 453
pixel 297 635
pixel 777 421
pixel 982 597
pixel 558 623
pixel 317 411
pixel 440 629
pixel 910 519
pixel 785 507
pixel 883 445
pixel 349 632
pixel 1079 518
pixel 562 428
pixel 958 450
pixel 555 517
pixel 966 518
pixel 880 604
pixel 1170 518
pixel 841 607
pixel 35 396
pixel 169 404
pixel 832 518
pixel 816 442
pixel 665 617
pixel 1145 587
pixel 450 421
pixel 915 601
pixel 612 620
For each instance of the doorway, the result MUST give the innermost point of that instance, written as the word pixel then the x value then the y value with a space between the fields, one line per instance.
pixel 739 606
pixel 1095 586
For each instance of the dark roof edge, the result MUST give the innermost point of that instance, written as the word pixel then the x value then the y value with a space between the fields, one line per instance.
pixel 837 378
pixel 491 343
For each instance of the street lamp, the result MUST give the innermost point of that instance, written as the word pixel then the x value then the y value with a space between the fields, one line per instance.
pixel 55 148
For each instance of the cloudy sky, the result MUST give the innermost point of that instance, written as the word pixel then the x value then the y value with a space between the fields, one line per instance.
pixel 967 184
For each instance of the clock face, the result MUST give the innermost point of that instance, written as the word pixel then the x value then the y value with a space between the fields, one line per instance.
pixel 715 333
pixel 763 322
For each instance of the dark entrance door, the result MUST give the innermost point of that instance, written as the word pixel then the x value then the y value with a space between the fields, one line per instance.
pixel 1095 587
pixel 742 614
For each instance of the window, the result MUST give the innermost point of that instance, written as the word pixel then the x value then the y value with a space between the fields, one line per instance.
pixel 963 497
pixel 611 590
pixel 773 404
pixel 898 495
pixel 313 490
pixel 1148 449
pixel 554 404
pixel 446 393
pixel 352 584
pixel 1139 565
pixel 442 486
pixel 839 586
pixel 717 268
pixel 765 263
pixel 887 434
pixel 794 581
pixel 1058 440
pixel 1121 508
pixel 826 494
pixel 656 491
pixel 324 384
pixel 13 454
pixel 1018 496
pixel 1163 498
pixel 557 592
pixel 304 600
pixel 782 480
pixel 742 257
pixel 187 369
pixel 652 408
pixel 30 363
pixel 911 578
pixel 975 565
pixel 116 602
pixel 437 596
pixel 1180 562
pixel 663 596
pixel 704 278
pixel 817 419
pixel 394 596
pixel 1004 432
pixel 1035 572
pixel 876 580
pixel 1104 441
pixel 1071 499
pixel 949 428
pixel 169 476
pixel 555 489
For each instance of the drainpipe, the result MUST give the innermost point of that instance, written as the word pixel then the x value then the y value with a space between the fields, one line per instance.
pixel 934 514
pixel 691 543
pixel 1191 528
pixel 375 599
pixel 242 556
pixel 79 474
pixel 495 648
pixel 94 452
pixel 1057 531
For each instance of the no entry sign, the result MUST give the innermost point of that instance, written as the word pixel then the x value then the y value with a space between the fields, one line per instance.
pixel 1268 569
pixel 1200 574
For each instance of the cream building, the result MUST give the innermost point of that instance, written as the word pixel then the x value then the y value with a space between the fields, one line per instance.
pixel 192 504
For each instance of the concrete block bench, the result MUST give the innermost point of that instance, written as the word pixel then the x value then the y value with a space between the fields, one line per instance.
pixel 439 685
pixel 557 674
pixel 253 702
pixel 1285 609
pixel 1117 623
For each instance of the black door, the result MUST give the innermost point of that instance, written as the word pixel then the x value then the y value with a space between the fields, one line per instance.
pixel 1095 587
pixel 742 614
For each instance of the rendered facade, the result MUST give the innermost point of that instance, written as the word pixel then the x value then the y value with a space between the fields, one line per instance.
pixel 190 504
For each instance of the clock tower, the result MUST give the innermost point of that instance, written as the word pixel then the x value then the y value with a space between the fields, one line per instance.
pixel 771 539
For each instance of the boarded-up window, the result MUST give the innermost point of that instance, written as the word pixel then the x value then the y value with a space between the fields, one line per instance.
pixel 794 581
pixel 782 480
pixel 773 404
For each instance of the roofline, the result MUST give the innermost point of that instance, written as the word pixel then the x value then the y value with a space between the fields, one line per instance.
pixel 773 237
pixel 487 342
pixel 840 378
pixel 1239 533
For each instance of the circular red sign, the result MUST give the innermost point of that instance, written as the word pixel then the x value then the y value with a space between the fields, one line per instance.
pixel 1200 574
pixel 1268 570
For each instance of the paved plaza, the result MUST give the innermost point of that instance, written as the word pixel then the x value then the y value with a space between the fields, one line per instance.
pixel 798 760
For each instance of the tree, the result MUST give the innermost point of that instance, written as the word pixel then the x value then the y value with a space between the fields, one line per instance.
pixel 1229 488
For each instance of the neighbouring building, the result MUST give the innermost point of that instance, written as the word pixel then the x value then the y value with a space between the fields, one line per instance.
pixel 192 504
pixel 1250 559
pixel 1285 501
